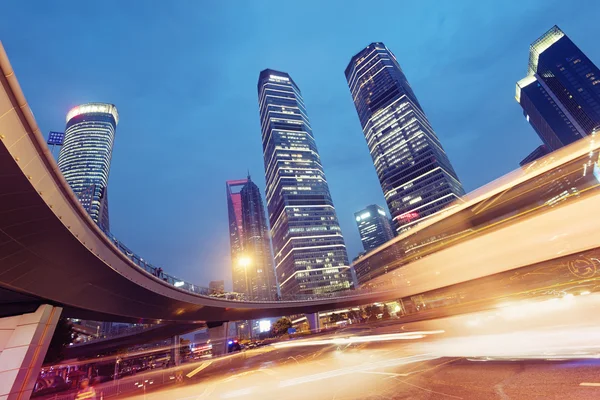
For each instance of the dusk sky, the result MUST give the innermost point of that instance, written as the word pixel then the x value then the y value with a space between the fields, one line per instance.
pixel 183 76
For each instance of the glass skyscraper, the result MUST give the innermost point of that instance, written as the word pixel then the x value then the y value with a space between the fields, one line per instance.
pixel 373 226
pixel 310 255
pixel 560 95
pixel 257 245
pixel 415 174
pixel 85 156
pixel 234 207
pixel 252 261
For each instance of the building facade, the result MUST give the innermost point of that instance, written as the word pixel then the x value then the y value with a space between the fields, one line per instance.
pixel 373 226
pixel 310 254
pixel 85 156
pixel 539 152
pixel 560 95
pixel 234 207
pixel 415 174
pixel 217 287
pixel 260 275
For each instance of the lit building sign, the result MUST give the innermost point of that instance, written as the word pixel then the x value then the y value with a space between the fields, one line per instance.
pixel 596 172
pixel 264 325
pixel 278 78
pixel 94 108
pixel 410 216
pixel 56 138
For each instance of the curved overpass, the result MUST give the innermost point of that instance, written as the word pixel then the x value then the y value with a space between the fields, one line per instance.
pixel 52 252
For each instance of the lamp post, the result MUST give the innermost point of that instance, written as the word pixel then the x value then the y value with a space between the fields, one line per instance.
pixel 245 262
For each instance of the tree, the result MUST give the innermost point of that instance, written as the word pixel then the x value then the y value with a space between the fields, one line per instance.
pixel 281 326
pixel 386 313
pixel 372 312
pixel 335 317
pixel 63 335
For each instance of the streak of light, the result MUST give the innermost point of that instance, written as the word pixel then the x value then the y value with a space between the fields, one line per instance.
pixel 359 368
pixel 428 390
pixel 238 393
pixel 200 368
pixel 236 376
pixel 589 384
pixel 358 339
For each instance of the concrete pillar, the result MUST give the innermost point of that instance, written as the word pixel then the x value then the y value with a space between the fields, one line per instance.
pixel 218 332
pixel 176 351
pixel 313 322
pixel 24 340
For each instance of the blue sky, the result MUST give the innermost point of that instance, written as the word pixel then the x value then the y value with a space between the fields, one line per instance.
pixel 183 75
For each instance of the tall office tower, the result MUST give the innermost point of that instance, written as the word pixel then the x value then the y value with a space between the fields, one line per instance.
pixel 310 255
pixel 217 287
pixel 260 274
pixel 415 174
pixel 539 152
pixel 560 95
pixel 234 206
pixel 373 226
pixel 84 158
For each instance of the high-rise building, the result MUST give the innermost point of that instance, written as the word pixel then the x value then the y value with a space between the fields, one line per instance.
pixel 85 156
pixel 257 245
pixel 539 152
pixel 234 206
pixel 310 255
pixel 252 261
pixel 415 174
pixel 560 95
pixel 217 287
pixel 373 226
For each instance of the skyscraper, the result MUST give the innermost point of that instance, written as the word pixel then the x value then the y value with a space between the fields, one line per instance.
pixel 373 226
pixel 560 95
pixel 85 156
pixel 539 152
pixel 234 206
pixel 252 262
pixel 415 174
pixel 257 245
pixel 310 255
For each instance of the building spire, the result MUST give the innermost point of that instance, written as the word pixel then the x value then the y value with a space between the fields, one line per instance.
pixel 249 175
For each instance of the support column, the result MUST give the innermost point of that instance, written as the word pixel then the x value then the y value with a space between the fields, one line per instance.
pixel 218 332
pixel 313 322
pixel 176 350
pixel 24 340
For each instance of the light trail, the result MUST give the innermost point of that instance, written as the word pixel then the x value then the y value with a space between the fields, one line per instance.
pixel 359 368
pixel 358 339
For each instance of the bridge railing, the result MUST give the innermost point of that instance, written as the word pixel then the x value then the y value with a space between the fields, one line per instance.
pixel 204 291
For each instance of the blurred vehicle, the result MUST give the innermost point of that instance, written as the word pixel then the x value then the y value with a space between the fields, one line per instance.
pixel 233 346
pixel 49 385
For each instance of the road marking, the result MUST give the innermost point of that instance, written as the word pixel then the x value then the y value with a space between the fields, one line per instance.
pixel 200 368
pixel 589 384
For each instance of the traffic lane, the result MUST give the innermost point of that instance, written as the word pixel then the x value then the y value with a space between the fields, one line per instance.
pixel 333 373
pixel 513 380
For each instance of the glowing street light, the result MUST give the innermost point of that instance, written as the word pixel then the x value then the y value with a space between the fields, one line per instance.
pixel 244 261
